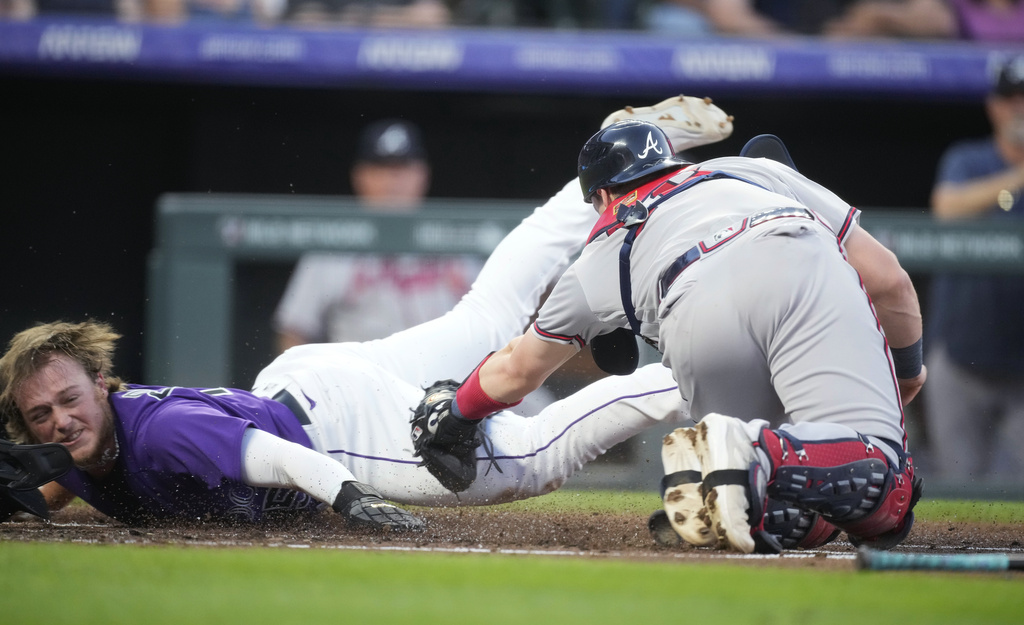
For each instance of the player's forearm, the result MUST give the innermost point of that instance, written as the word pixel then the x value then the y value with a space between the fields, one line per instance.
pixel 522 366
pixel 271 462
pixel 978 197
pixel 503 381
pixel 508 375
pixel 890 287
pixel 899 312
pixel 56 496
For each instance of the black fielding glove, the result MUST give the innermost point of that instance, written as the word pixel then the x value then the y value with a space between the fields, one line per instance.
pixel 363 506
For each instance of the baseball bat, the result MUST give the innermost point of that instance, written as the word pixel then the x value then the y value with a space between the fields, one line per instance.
pixel 869 560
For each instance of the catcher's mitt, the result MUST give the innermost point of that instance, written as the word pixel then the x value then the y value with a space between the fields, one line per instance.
pixel 446 443
pixel 363 506
pixel 14 501
pixel 27 467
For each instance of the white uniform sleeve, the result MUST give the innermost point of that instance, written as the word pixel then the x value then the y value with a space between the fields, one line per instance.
pixel 272 462
pixel 568 316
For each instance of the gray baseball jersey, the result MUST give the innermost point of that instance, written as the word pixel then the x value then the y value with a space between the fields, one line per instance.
pixel 738 275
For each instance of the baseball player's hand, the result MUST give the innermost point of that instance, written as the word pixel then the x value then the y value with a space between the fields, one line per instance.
pixel 911 387
pixel 363 506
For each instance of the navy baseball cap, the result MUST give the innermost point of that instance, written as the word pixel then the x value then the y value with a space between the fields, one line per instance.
pixel 1010 79
pixel 391 141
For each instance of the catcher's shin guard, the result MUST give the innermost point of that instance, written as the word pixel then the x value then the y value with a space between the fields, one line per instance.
pixel 796 528
pixel 849 482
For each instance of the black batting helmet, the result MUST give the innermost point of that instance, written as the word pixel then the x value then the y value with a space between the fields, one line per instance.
pixel 622 152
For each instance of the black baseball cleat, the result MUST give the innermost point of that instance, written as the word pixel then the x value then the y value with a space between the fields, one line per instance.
pixel 26 467
pixel 661 530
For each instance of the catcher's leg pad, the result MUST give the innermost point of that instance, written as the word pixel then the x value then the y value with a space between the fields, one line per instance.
pixel 680 488
pixel 27 467
pixel 797 528
pixel 850 482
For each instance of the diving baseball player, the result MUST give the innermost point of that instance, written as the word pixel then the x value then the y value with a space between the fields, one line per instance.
pixel 328 424
pixel 770 304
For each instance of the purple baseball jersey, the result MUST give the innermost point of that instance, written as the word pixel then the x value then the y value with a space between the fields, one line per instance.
pixel 180 457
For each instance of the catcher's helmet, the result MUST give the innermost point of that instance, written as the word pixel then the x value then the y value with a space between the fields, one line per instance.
pixel 622 152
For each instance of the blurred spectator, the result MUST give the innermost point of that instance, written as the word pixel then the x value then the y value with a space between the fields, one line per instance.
pixel 124 9
pixel 679 18
pixel 167 11
pixel 259 11
pixel 376 13
pixel 989 20
pixel 558 14
pixel 974 397
pixel 361 297
pixel 937 19
pixel 921 19
pixel 759 18
pixel 982 20
pixel 213 11
pixel 16 9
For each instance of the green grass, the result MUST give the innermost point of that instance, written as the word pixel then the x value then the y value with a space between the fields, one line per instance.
pixel 928 509
pixel 53 584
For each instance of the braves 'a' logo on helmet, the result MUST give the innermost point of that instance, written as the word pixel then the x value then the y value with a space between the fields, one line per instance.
pixel 651 145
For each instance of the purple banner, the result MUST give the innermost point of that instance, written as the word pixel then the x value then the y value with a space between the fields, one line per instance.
pixel 494 60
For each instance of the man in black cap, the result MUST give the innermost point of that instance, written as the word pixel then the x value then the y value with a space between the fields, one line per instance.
pixel 359 297
pixel 975 355
pixel 391 171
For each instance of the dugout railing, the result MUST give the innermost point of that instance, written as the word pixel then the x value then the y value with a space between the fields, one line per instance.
pixel 220 262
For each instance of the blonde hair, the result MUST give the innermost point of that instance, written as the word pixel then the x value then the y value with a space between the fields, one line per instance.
pixel 90 344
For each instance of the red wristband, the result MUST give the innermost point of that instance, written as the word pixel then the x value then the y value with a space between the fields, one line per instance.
pixel 471 400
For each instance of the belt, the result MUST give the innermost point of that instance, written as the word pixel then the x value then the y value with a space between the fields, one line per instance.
pixel 693 254
pixel 292 404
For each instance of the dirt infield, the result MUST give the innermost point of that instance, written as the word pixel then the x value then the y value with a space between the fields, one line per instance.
pixel 496 530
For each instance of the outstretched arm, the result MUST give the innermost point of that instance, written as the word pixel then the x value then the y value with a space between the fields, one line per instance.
pixel 896 305
pixel 271 461
pixel 522 366
pixel 510 374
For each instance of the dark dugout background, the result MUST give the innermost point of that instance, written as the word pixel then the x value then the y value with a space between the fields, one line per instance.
pixel 86 160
